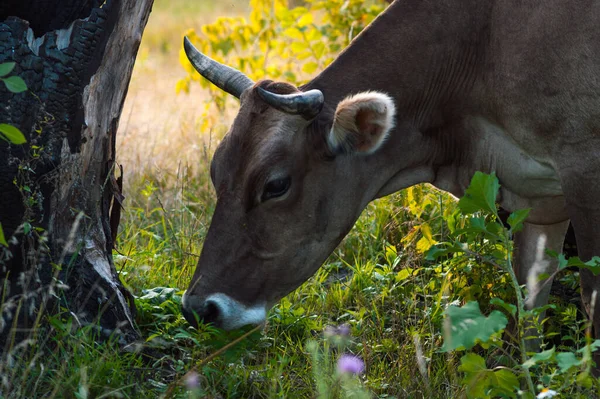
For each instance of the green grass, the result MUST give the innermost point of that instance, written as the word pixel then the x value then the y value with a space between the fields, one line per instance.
pixel 383 289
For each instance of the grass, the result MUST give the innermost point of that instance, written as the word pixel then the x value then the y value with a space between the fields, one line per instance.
pixel 376 282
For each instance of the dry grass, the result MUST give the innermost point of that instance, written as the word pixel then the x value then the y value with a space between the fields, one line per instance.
pixel 158 130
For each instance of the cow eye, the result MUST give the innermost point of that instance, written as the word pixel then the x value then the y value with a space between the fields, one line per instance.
pixel 276 188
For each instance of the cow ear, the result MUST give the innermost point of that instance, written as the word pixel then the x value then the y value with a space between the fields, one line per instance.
pixel 361 123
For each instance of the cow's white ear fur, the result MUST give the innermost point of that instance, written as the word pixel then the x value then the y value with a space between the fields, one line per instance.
pixel 361 124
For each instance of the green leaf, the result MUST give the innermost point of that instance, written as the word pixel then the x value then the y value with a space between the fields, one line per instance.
pixel 566 360
pixel 562 261
pixel 6 68
pixel 468 326
pixel 584 379
pixel 503 383
pixel 437 251
pixel 539 357
pixel 475 375
pixel 593 347
pixel 2 238
pixel 472 363
pixel 12 134
pixel 481 194
pixel 404 274
pixel 15 84
pixel 516 219
pixel 592 265
pixel 509 307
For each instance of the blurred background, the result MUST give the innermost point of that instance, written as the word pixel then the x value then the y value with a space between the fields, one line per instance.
pixel 158 131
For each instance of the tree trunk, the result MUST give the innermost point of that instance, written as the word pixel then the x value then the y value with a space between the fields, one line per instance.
pixel 57 191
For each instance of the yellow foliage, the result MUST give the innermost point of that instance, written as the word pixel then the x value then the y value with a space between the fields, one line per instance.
pixel 279 42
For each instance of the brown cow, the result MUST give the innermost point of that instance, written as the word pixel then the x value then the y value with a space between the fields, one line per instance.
pixel 431 91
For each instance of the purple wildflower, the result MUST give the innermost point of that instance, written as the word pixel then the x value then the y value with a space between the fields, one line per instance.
pixel 341 331
pixel 350 364
pixel 344 330
pixel 330 331
pixel 192 381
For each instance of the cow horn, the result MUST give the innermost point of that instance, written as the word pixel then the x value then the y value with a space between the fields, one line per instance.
pixel 224 77
pixel 308 104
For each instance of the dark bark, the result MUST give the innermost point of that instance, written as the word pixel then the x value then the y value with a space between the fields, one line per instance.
pixel 56 191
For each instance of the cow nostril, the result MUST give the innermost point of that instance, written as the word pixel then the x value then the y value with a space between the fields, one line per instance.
pixel 211 312
pixel 208 312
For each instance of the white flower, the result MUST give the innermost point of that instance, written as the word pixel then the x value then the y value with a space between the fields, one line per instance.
pixel 546 393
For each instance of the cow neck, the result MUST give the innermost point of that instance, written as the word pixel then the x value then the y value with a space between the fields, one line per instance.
pixel 423 53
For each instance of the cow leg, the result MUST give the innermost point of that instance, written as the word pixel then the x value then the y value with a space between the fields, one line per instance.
pixel 530 261
pixel 582 192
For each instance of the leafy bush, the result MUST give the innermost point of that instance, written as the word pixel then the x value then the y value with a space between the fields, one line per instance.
pixel 278 42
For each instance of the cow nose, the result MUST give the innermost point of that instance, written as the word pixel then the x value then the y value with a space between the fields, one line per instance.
pixel 222 311
pixel 195 310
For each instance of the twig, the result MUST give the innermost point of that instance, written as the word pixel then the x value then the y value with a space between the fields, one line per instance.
pixel 170 391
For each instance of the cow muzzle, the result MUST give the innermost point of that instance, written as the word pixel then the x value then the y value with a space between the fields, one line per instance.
pixel 222 311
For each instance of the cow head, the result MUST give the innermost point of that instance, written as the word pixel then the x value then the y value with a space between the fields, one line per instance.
pixel 289 187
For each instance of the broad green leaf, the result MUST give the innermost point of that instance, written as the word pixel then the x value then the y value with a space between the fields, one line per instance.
pixel 516 219
pixel 566 360
pixel 509 307
pixel 6 68
pixel 468 326
pixel 539 357
pixel 481 194
pixel 593 346
pixel 584 379
pixel 476 373
pixel 503 383
pixel 12 134
pixel 436 251
pixel 443 249
pixel 15 84
pixel 472 363
pixel 2 238
pixel 592 265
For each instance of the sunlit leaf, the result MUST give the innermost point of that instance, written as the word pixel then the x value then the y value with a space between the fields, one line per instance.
pixel 293 33
pixel 310 67
pixel 2 238
pixel 404 274
pixel 11 134
pixel 426 241
pixel 306 19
